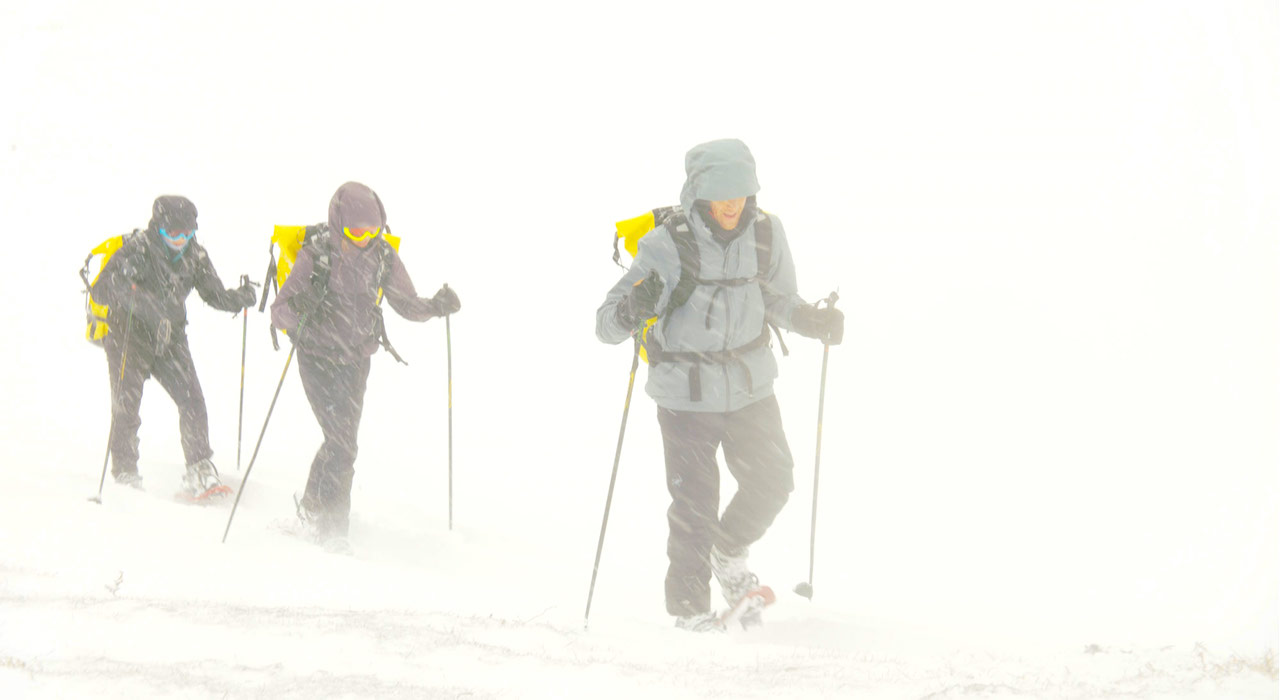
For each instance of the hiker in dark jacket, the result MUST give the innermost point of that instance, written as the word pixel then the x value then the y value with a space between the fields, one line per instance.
pixel 711 372
pixel 146 285
pixel 328 306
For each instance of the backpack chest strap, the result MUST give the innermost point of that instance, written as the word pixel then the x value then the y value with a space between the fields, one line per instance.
pixel 732 356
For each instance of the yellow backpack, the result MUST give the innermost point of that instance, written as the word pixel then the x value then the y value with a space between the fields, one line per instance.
pixel 95 313
pixel 630 231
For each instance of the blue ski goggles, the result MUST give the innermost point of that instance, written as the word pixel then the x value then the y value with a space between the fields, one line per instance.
pixel 178 236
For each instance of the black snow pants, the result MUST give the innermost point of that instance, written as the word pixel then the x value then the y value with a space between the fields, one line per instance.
pixel 173 368
pixel 756 452
pixel 336 393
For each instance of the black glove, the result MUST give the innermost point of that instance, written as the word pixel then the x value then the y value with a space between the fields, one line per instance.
pixel 639 304
pixel 446 302
pixel 304 303
pixel 164 333
pixel 245 293
pixel 825 324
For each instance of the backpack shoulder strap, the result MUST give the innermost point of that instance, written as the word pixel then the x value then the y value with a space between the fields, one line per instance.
pixel 690 261
pixel 269 283
pixel 380 278
pixel 317 239
pixel 130 243
pixel 764 246
pixel 764 259
pixel 663 214
pixel 384 265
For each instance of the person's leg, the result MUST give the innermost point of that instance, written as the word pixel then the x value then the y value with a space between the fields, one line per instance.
pixel 176 373
pixel 757 455
pixel 336 393
pixel 689 443
pixel 343 472
pixel 126 399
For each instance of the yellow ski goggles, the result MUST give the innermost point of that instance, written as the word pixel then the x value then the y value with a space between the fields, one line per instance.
pixel 361 234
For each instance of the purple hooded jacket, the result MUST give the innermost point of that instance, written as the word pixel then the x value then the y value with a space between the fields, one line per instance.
pixel 344 327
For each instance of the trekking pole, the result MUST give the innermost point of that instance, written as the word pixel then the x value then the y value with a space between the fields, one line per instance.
pixel 272 407
pixel 613 478
pixel 448 346
pixel 244 343
pixel 124 358
pixel 805 588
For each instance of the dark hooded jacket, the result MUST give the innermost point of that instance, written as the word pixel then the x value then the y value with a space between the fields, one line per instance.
pixel 344 326
pixel 144 277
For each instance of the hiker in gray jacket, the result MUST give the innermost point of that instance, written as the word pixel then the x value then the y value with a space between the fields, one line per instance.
pixel 712 370
pixel 328 306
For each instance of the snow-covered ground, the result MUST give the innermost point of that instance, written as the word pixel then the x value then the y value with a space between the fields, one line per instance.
pixel 136 598
pixel 1050 461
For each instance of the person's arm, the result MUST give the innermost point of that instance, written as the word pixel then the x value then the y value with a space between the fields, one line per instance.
pixel 404 300
pixel 296 296
pixel 785 308
pixel 210 288
pixel 779 285
pixel 634 298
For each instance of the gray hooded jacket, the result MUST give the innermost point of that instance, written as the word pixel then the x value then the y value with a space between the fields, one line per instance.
pixel 716 317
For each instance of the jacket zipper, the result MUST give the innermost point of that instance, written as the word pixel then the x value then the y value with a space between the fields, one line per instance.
pixel 724 273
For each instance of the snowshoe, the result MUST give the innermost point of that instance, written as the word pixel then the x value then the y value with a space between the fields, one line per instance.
pixel 746 611
pixel 131 479
pixel 337 545
pixel 741 588
pixel 316 527
pixel 730 569
pixel 201 485
pixel 701 622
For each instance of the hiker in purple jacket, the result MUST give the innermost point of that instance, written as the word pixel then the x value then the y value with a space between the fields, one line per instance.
pixel 329 308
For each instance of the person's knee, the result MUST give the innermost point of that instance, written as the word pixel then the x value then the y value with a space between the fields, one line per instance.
pixel 341 449
pixel 777 498
pixel 692 525
pixel 196 410
pixel 773 496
